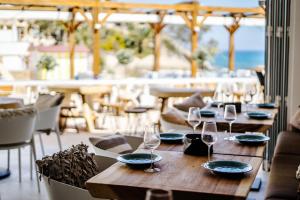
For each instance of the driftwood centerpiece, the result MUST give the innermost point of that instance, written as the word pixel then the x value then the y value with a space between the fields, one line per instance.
pixel 73 166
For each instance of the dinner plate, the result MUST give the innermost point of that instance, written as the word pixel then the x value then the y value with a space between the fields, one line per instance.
pixel 138 159
pixel 228 167
pixel 259 115
pixel 207 113
pixel 251 138
pixel 171 137
pixel 266 105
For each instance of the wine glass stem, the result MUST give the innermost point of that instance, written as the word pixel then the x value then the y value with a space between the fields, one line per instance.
pixel 194 129
pixel 230 127
pixel 151 159
pixel 208 153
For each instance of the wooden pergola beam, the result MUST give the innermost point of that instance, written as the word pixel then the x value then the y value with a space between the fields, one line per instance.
pixel 232 29
pixel 157 28
pixel 184 7
pixel 72 26
pixel 194 39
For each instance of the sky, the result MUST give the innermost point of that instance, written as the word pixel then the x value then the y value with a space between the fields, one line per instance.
pixel 246 38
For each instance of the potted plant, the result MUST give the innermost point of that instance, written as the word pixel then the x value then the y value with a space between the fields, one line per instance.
pixel 45 65
pixel 65 173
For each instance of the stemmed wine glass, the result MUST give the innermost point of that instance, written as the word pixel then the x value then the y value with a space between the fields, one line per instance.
pixel 253 91
pixel 194 117
pixel 247 99
pixel 158 194
pixel 218 102
pixel 228 91
pixel 209 135
pixel 230 115
pixel 152 141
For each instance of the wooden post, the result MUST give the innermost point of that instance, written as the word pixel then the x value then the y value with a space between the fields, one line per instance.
pixel 157 44
pixel 72 44
pixel 194 40
pixel 157 28
pixel 71 27
pixel 96 43
pixel 231 52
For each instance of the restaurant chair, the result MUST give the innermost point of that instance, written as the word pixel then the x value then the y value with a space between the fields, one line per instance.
pixel 133 141
pixel 17 126
pixel 47 120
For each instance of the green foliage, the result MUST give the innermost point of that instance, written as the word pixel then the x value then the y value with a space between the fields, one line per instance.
pixel 54 29
pixel 124 57
pixel 112 39
pixel 47 62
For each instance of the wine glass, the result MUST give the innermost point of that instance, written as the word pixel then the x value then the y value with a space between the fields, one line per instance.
pixel 194 117
pixel 228 91
pixel 230 115
pixel 158 194
pixel 247 99
pixel 253 91
pixel 218 102
pixel 209 135
pixel 152 141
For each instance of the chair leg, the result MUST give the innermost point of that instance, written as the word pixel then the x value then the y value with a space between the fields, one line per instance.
pixel 57 132
pixel 34 159
pixel 30 152
pixel 42 144
pixel 8 159
pixel 20 165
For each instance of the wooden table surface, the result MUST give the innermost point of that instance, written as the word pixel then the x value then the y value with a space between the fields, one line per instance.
pixel 243 122
pixel 180 173
pixel 224 147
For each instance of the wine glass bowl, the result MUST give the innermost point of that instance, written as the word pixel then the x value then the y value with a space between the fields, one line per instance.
pixel 151 141
pixel 209 135
pixel 230 115
pixel 194 117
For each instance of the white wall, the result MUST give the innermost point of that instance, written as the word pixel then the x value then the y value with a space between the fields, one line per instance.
pixel 294 68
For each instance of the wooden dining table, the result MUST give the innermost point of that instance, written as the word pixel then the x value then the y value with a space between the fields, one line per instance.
pixel 181 173
pixel 243 123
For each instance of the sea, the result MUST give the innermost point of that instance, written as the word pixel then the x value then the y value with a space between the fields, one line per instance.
pixel 244 59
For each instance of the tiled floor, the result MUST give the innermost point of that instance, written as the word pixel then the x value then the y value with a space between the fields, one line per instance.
pixel 11 189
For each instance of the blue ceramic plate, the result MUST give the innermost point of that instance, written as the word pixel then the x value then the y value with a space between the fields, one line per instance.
pixel 266 105
pixel 171 137
pixel 251 139
pixel 207 113
pixel 259 115
pixel 138 159
pixel 226 167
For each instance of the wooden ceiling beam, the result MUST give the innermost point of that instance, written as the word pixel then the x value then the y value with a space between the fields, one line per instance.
pixel 127 6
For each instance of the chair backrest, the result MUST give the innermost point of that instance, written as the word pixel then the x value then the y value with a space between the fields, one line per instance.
pixel 47 119
pixel 133 141
pixel 46 101
pixel 17 127
pixel 261 78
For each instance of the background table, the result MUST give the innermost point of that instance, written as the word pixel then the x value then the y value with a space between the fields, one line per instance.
pixel 224 147
pixel 180 173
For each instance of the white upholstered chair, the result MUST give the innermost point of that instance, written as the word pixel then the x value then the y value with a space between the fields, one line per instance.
pixel 17 126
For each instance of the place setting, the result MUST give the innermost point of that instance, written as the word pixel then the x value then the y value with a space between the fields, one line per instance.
pixel 145 161
pixel 229 168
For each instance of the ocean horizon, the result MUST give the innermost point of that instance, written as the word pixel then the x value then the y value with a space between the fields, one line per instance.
pixel 244 59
